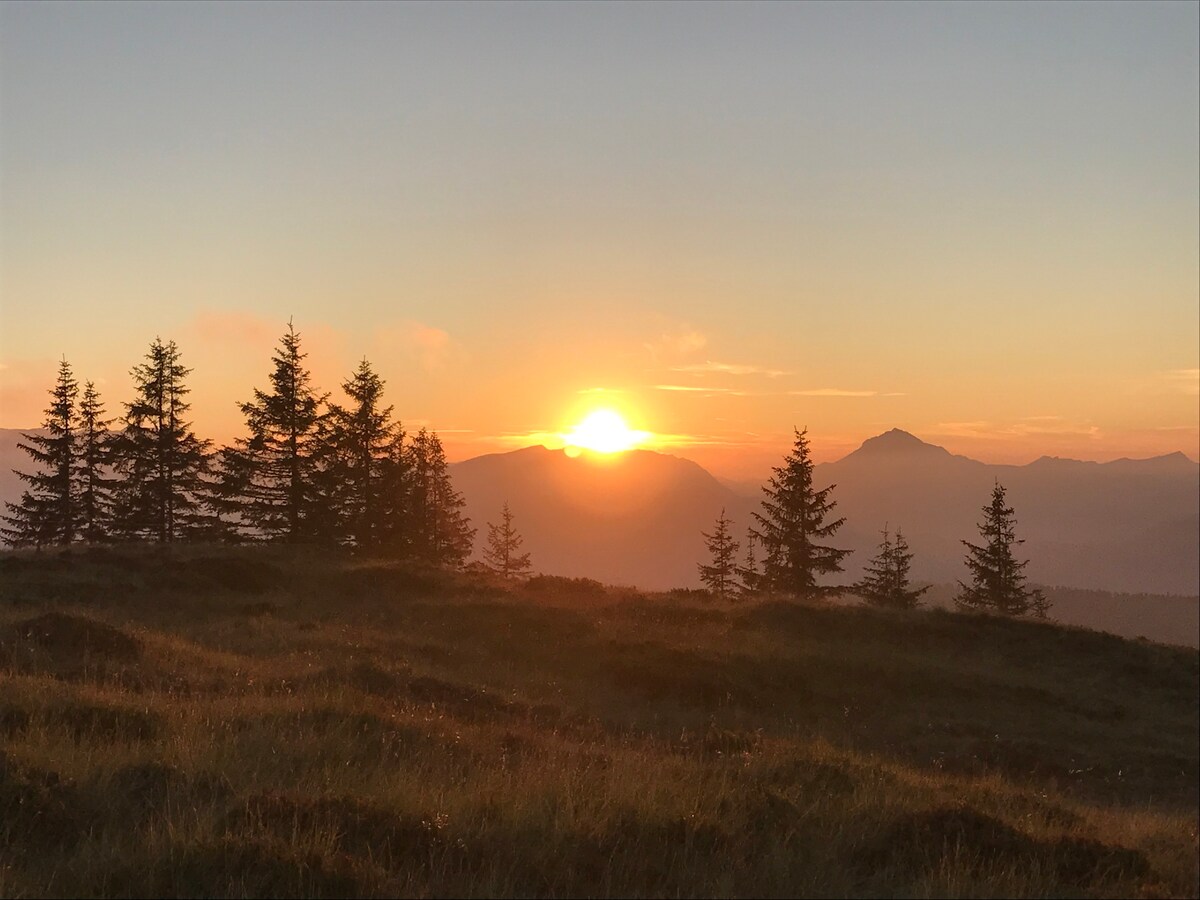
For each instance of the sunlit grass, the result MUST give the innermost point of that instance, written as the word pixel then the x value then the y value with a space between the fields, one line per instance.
pixel 323 727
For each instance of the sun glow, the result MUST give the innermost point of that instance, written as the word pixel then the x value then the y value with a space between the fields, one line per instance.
pixel 603 431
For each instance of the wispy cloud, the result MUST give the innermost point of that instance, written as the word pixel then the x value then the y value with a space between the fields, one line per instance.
pixel 680 342
pixel 1031 426
pixel 697 389
pixel 226 327
pixel 832 392
pixel 1186 380
pixel 433 347
pixel 731 439
pixel 711 367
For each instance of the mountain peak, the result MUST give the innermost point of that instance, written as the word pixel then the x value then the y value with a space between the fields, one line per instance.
pixel 898 442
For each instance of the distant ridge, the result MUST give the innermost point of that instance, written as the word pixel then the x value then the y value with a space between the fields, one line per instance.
pixel 1128 525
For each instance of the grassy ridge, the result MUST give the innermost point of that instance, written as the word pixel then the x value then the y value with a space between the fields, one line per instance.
pixel 262 723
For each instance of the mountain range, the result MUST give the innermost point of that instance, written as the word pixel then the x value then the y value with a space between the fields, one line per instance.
pixel 636 518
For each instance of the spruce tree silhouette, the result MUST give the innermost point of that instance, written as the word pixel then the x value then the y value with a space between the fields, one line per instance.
pixel 749 577
pixel 47 513
pixel 94 460
pixel 793 520
pixel 719 576
pixel 997 580
pixel 270 474
pixel 364 442
pixel 441 534
pixel 161 493
pixel 886 580
pixel 502 554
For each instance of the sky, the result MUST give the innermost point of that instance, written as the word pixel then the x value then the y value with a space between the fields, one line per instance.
pixel 976 222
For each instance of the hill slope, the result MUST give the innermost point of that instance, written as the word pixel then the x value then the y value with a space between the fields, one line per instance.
pixel 268 724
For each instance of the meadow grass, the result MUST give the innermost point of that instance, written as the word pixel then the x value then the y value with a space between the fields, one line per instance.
pixel 266 722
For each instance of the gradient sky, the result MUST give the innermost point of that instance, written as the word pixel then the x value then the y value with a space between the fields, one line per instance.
pixel 976 222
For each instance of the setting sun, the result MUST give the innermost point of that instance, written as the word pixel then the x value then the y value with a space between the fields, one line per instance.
pixel 604 431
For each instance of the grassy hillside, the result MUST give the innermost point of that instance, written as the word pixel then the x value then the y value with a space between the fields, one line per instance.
pixel 1163 618
pixel 257 723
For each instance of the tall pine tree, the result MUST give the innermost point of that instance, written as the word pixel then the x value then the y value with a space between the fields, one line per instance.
pixel 997 580
pixel 365 443
pixel 503 551
pixel 272 471
pixel 48 513
pixel 441 534
pixel 92 467
pixel 720 575
pixel 793 521
pixel 886 580
pixel 161 492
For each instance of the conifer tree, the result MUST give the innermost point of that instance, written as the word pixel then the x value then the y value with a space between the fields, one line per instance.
pixel 749 577
pixel 48 513
pixel 502 554
pixel 886 581
pixel 997 580
pixel 441 534
pixel 270 474
pixel 365 441
pixel 794 519
pixel 93 462
pixel 395 499
pixel 720 575
pixel 325 519
pixel 161 493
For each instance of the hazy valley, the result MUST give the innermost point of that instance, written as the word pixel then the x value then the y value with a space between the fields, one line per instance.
pixel 1126 526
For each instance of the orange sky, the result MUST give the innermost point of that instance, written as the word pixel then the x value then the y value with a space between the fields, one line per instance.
pixel 733 417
